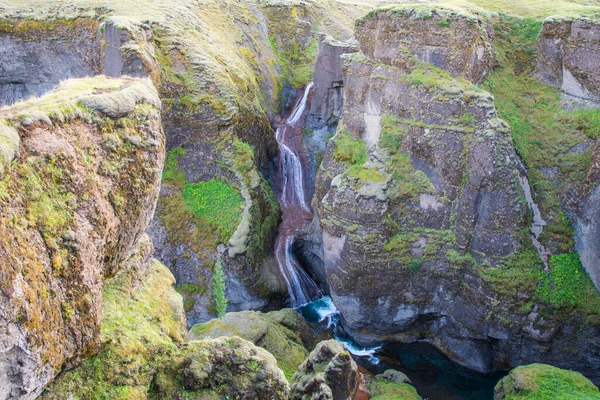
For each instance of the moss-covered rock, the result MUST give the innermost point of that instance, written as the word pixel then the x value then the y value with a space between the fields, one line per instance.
pixel 545 382
pixel 284 334
pixel 143 355
pixel 329 372
pixel 73 207
pixel 221 368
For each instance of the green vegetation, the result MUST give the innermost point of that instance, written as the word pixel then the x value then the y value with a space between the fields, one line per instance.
pixel 349 150
pixel 392 133
pixel 134 326
pixel 568 285
pixel 543 133
pixel 545 382
pixel 216 203
pixel 386 390
pixel 278 332
pixel 171 172
pixel 365 175
pixel 219 289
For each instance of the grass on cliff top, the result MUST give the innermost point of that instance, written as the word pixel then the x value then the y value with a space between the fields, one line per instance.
pixel 539 9
pixel 545 382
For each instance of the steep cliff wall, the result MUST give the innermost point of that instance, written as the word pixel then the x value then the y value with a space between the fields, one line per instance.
pixel 74 204
pixel 36 55
pixel 568 56
pixel 426 231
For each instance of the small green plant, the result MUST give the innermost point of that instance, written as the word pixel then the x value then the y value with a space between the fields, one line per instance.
pixel 219 289
pixel 414 265
pixel 444 23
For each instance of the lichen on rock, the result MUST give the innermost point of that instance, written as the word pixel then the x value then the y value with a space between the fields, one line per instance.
pixel 73 210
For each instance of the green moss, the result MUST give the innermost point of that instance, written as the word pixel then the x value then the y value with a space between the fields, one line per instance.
pixel 215 202
pixel 386 390
pixel 545 382
pixel 190 289
pixel 365 175
pixel 460 260
pixel 171 173
pixel 349 150
pixel 443 23
pixel 138 335
pixel 543 133
pixel 392 133
pixel 52 206
pixel 219 289
pixel 568 285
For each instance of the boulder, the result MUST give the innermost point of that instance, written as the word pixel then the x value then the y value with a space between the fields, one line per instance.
pixel 284 334
pixel 329 372
pixel 541 381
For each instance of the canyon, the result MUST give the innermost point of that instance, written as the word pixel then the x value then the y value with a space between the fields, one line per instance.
pixel 420 174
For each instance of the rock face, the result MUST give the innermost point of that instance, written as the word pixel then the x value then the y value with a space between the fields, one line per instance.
pixel 328 97
pixel 587 236
pixel 540 381
pixel 73 207
pixel 461 44
pixel 32 62
pixel 284 334
pixel 328 373
pixel 143 356
pixel 420 185
pixel 568 57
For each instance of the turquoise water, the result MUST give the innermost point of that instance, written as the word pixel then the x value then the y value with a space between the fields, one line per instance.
pixel 434 375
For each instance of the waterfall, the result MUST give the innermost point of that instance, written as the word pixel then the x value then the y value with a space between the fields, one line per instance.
pixel 538 223
pixel 296 214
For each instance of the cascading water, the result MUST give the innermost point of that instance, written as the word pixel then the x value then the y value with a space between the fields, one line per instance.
pixel 538 223
pixel 296 214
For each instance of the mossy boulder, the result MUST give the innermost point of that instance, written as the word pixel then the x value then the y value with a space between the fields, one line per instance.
pixel 329 372
pixel 545 382
pixel 227 367
pixel 284 334
pixel 73 207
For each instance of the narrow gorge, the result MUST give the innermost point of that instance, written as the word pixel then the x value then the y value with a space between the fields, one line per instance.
pixel 300 199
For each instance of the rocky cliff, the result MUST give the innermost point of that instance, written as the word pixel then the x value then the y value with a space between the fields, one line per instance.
pixel 422 185
pixel 75 201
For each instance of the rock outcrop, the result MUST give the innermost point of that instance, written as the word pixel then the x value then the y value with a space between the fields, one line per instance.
pixel 540 381
pixel 284 334
pixel 35 56
pixel 421 186
pixel 568 57
pixel 329 372
pixel 143 354
pixel 73 207
pixel 587 235
pixel 328 97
